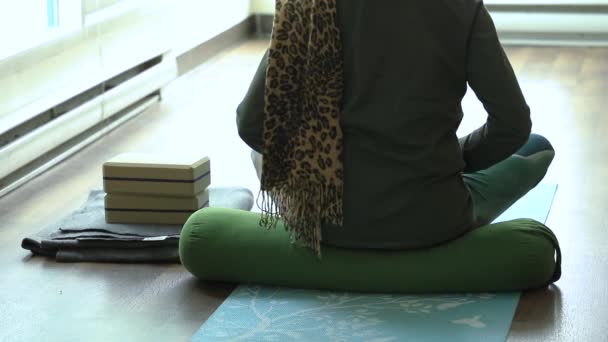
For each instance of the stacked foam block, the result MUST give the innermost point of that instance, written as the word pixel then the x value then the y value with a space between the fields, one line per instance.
pixel 155 189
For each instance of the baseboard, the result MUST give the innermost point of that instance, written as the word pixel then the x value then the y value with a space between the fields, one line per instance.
pixel 554 39
pixel 573 6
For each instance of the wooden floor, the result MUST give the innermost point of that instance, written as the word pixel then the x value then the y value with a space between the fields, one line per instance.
pixel 567 89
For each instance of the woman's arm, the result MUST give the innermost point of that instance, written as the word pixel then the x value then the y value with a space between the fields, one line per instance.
pixel 492 78
pixel 250 113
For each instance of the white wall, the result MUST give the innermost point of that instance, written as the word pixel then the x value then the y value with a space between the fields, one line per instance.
pixel 262 6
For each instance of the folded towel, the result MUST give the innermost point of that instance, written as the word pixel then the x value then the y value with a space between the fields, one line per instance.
pixel 84 235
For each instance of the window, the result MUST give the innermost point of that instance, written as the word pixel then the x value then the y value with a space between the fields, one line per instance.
pixel 29 23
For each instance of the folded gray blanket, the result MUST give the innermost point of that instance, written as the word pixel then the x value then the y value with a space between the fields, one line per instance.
pixel 84 235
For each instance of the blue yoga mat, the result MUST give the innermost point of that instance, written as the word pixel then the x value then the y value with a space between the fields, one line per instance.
pixel 260 313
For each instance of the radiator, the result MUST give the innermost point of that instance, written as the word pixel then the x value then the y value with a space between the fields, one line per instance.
pixel 141 89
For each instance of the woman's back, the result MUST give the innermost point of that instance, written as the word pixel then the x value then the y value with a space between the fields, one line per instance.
pixel 406 69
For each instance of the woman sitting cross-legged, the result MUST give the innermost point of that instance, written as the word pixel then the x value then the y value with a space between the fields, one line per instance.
pixel 352 116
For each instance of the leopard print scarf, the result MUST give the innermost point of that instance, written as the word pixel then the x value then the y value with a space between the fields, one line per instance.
pixel 302 170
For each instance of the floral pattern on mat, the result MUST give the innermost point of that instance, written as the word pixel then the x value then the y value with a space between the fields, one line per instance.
pixel 255 313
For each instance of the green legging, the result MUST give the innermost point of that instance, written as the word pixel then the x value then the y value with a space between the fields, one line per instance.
pixel 495 189
pixel 228 245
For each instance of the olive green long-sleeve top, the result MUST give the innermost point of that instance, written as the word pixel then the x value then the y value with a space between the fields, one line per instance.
pixel 407 66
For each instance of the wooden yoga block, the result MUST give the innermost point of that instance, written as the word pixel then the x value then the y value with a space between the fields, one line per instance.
pixel 126 208
pixel 160 175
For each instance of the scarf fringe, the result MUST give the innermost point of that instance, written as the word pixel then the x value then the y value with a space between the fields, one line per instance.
pixel 304 208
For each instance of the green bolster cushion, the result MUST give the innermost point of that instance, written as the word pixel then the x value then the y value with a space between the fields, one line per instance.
pixel 228 245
